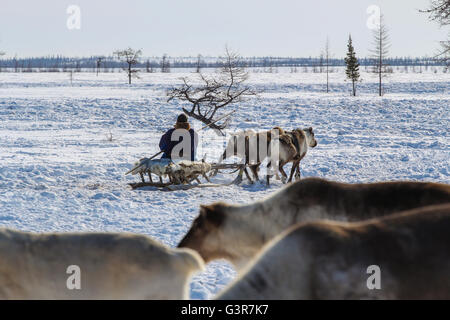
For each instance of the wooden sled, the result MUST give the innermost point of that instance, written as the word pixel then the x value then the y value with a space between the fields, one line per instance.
pixel 181 175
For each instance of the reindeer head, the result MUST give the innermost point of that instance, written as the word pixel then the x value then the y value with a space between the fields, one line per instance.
pixel 309 133
pixel 205 232
pixel 278 130
pixel 221 232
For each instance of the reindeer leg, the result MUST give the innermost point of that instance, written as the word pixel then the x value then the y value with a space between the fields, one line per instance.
pixel 142 177
pixel 176 180
pixel 269 172
pixel 277 170
pixel 206 177
pixel 277 176
pixel 292 171
pixel 238 179
pixel 247 175
pixel 283 173
pixel 297 172
pixel 150 176
pixel 254 169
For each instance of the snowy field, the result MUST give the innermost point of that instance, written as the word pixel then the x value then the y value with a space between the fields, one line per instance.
pixel 60 172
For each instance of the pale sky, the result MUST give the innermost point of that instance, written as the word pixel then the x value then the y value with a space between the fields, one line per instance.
pixel 188 27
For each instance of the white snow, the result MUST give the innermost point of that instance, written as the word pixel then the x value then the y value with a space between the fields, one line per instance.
pixel 59 172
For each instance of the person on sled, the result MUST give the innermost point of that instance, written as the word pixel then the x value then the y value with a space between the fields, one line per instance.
pixel 180 142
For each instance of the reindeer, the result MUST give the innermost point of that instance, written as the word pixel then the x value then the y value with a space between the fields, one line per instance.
pixel 238 232
pixel 111 266
pixel 292 147
pixel 253 147
pixel 335 260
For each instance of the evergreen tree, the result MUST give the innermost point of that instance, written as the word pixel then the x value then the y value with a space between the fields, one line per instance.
pixel 352 64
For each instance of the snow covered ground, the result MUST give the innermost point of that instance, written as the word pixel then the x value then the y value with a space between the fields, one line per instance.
pixel 60 172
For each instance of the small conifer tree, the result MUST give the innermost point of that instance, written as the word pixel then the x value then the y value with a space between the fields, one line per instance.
pixel 352 64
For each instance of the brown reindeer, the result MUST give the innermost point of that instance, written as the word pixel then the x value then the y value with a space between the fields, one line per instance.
pixel 402 256
pixel 292 147
pixel 253 147
pixel 238 232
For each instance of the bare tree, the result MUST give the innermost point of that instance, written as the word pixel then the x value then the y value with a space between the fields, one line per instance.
pixel 131 58
pixel 327 56
pixel 439 11
pixel 321 63
pixel 380 52
pixel 77 67
pixel 270 65
pixel 16 64
pixel 148 66
pixel 29 67
pixel 165 64
pixel 199 63
pixel 71 76
pixel 98 64
pixel 216 92
pixel 1 54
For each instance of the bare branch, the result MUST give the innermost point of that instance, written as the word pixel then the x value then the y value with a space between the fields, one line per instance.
pixel 215 92
pixel 439 11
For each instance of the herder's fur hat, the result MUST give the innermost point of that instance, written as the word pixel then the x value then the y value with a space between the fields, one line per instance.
pixel 182 122
pixel 182 118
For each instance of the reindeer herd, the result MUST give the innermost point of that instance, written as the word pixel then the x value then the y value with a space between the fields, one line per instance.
pixel 277 145
pixel 313 239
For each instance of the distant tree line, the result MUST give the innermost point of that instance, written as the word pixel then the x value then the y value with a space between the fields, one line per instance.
pixel 60 63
